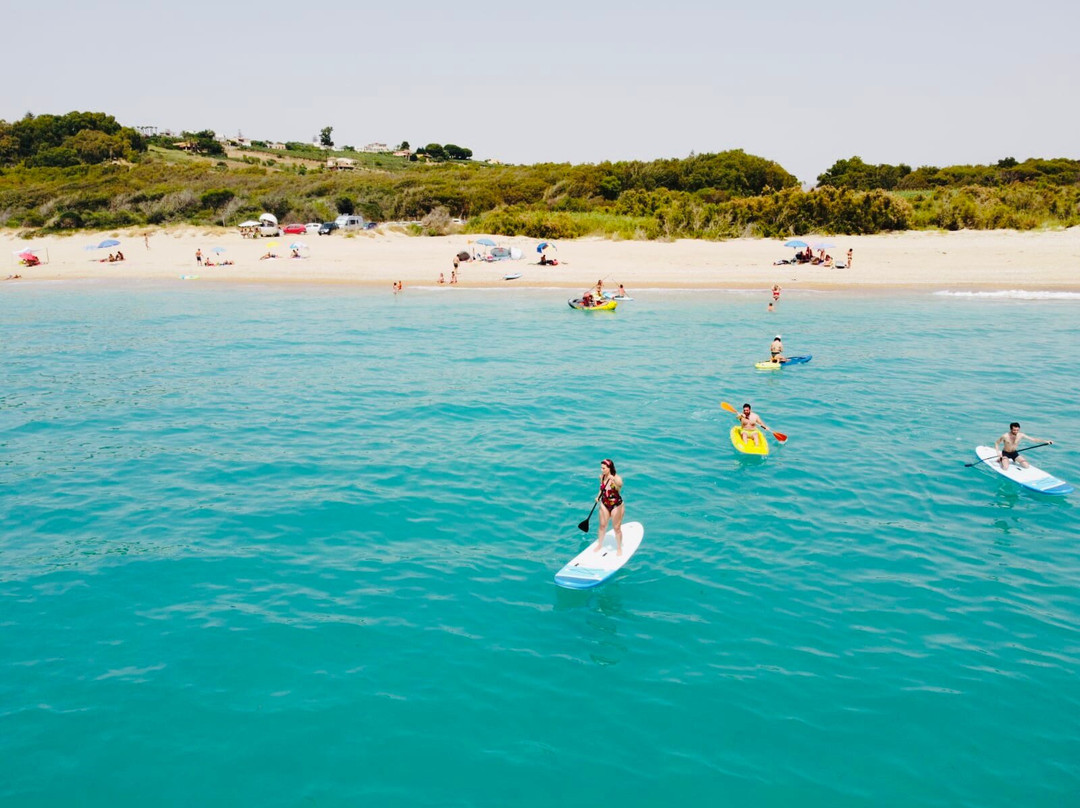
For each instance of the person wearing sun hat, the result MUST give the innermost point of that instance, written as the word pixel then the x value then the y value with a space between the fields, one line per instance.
pixel 776 350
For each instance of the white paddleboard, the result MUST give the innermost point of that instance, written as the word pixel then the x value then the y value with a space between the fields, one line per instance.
pixel 592 567
pixel 512 277
pixel 1031 478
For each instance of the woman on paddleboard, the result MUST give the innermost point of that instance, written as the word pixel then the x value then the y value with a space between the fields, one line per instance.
pixel 611 504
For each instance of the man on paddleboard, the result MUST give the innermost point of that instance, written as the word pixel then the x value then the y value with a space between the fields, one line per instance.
pixel 1010 446
pixel 776 350
pixel 749 422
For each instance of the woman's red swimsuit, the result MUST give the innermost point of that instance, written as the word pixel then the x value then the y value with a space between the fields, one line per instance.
pixel 610 497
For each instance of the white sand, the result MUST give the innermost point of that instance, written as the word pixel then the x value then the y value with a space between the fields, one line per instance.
pixel 1002 260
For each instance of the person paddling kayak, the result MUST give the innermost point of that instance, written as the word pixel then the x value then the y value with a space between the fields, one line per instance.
pixel 1010 446
pixel 749 423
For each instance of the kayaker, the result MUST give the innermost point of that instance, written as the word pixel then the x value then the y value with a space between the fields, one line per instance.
pixel 611 504
pixel 776 350
pixel 1010 446
pixel 749 423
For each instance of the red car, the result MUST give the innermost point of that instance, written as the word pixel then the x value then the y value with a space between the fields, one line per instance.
pixel 294 229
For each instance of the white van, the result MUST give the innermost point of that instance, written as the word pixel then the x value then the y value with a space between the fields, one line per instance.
pixel 268 225
pixel 350 222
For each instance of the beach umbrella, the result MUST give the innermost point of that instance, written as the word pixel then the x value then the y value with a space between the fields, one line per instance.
pixel 298 245
pixel 217 250
pixel 796 243
pixel 270 244
pixel 25 251
pixel 545 245
pixel 824 245
pixel 486 242
pixel 249 223
pixel 109 242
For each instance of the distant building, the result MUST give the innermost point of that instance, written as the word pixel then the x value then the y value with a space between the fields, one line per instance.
pixel 406 153
pixel 376 148
pixel 276 146
pixel 341 164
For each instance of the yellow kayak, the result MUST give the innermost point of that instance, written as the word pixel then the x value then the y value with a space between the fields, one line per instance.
pixel 760 447
pixel 768 365
pixel 607 305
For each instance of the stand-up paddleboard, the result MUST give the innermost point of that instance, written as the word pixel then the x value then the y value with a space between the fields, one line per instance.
pixel 1031 478
pixel 592 567
pixel 748 447
pixel 791 360
pixel 616 296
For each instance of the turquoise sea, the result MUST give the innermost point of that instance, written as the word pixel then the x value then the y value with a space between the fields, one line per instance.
pixel 295 546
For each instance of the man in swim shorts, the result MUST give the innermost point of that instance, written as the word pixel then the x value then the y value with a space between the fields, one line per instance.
pixel 1010 443
pixel 776 350
pixel 749 423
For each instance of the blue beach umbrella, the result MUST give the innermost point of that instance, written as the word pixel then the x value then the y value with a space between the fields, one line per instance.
pixel 544 245
pixel 796 243
pixel 109 242
pixel 298 245
pixel 486 242
pixel 218 250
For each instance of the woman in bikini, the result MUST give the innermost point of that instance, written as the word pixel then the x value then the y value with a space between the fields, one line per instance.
pixel 611 504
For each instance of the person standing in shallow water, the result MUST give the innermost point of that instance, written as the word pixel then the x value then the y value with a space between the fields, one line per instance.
pixel 611 504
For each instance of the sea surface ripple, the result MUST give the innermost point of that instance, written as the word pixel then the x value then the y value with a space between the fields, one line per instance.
pixel 295 546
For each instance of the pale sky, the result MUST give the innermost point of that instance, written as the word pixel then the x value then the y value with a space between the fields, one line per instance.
pixel 804 84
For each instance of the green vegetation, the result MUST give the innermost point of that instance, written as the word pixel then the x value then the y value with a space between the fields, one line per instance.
pixel 84 170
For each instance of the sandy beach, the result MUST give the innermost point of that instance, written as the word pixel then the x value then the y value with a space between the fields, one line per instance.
pixel 976 260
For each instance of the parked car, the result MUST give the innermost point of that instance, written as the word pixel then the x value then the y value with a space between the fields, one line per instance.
pixel 312 227
pixel 294 229
pixel 371 225
pixel 350 222
pixel 326 228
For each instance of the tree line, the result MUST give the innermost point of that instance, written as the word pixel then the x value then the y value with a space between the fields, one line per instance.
pixel 54 178
pixel 58 141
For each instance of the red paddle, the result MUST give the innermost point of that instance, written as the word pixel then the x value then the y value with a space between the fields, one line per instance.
pixel 780 436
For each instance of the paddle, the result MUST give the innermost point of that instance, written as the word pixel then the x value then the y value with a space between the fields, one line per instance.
pixel 780 436
pixel 584 525
pixel 1018 451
